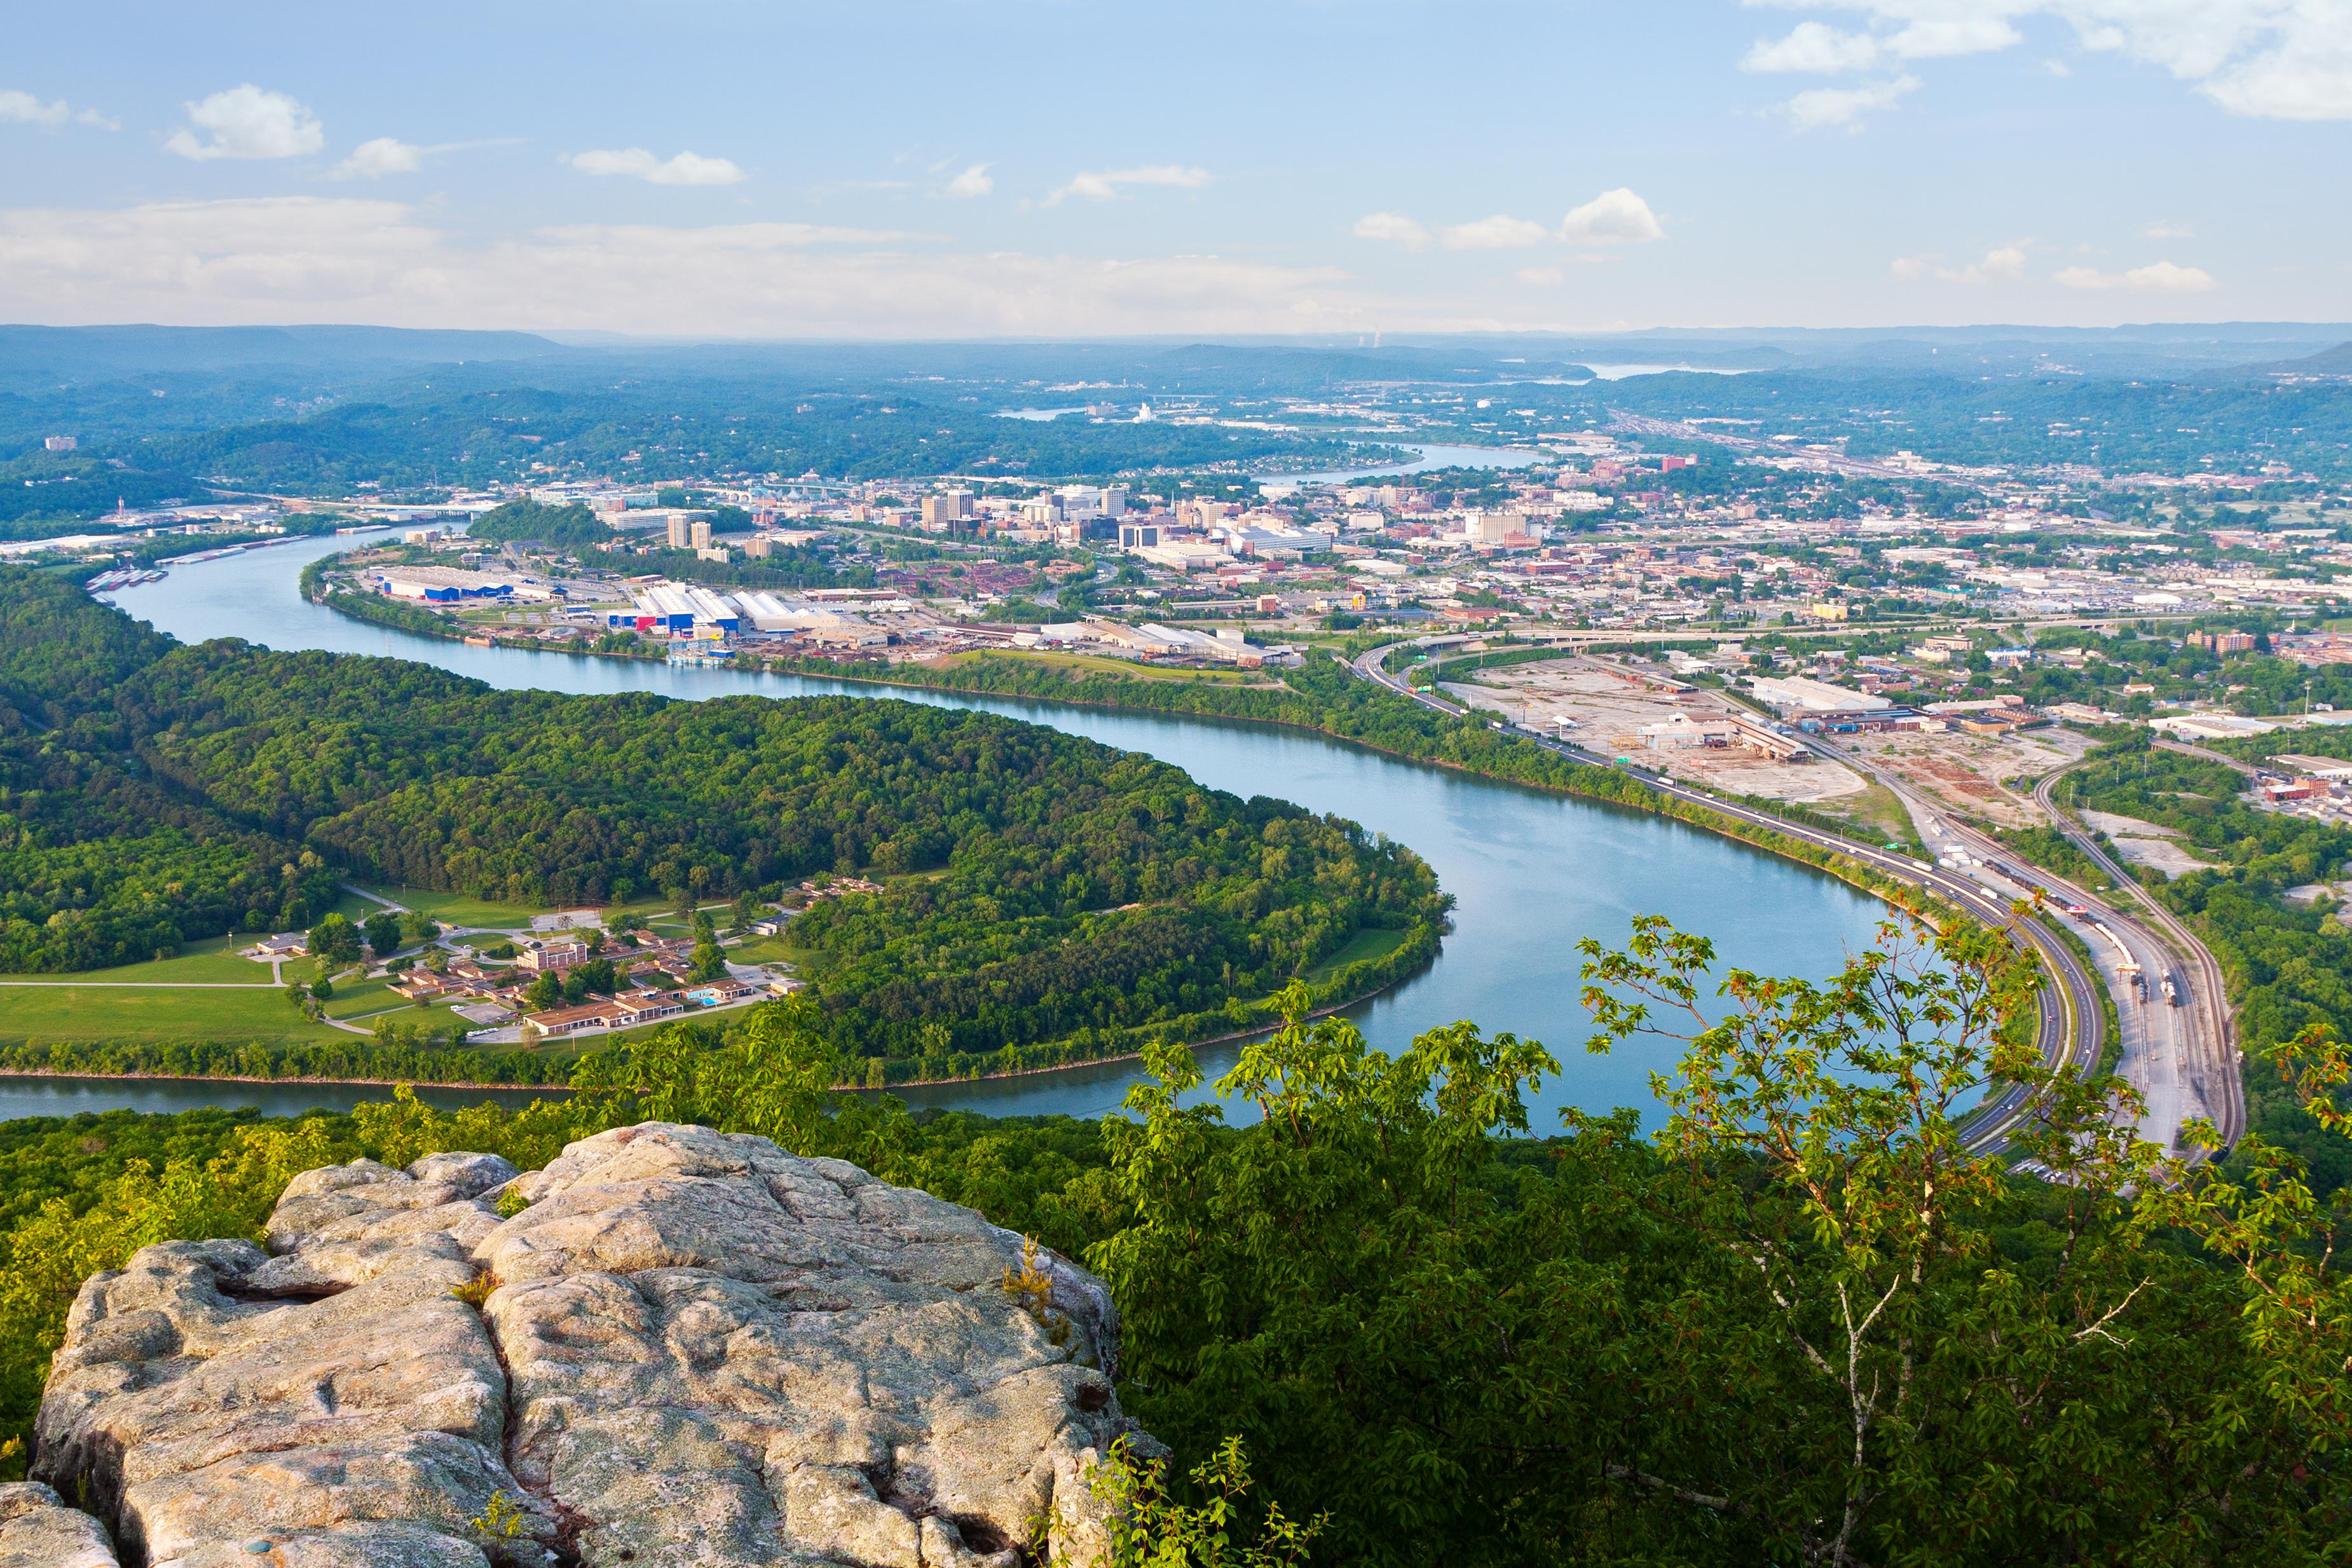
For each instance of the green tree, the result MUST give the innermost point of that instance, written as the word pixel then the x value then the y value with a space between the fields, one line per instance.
pixel 334 940
pixel 383 933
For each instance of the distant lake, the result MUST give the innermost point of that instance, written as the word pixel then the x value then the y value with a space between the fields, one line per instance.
pixel 1038 414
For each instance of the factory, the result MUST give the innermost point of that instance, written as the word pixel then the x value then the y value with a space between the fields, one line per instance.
pixel 677 610
pixel 683 610
pixel 454 585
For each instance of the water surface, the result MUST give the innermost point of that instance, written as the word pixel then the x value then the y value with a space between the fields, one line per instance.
pixel 1532 873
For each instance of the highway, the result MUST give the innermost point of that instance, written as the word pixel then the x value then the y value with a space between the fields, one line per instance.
pixel 2209 1066
pixel 2163 1044
pixel 2072 1021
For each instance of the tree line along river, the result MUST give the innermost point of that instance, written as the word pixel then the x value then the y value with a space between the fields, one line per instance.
pixel 1531 873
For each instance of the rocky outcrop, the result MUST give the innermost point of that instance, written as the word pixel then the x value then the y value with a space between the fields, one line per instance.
pixel 671 1346
pixel 38 1531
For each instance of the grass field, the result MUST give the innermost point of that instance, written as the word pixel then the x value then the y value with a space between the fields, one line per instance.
pixel 770 951
pixel 1372 944
pixel 462 909
pixel 1876 809
pixel 1108 666
pixel 117 1013
pixel 212 960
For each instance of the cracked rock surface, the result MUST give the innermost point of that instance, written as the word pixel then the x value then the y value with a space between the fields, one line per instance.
pixel 38 1531
pixel 695 1349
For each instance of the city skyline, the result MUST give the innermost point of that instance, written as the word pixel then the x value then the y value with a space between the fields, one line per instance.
pixel 1065 170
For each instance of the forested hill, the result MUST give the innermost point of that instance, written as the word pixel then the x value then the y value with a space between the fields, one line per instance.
pixel 1043 885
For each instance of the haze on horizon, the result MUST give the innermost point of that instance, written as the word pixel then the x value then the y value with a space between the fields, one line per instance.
pixel 920 169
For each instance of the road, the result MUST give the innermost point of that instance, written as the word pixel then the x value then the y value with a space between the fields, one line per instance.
pixel 2163 1045
pixel 2208 1064
pixel 2072 1022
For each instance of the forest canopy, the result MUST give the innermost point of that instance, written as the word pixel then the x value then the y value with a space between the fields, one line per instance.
pixel 1037 885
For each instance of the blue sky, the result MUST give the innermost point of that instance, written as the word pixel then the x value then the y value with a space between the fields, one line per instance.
pixel 1059 168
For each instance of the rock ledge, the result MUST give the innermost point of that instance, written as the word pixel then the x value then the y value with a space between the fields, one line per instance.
pixel 683 1348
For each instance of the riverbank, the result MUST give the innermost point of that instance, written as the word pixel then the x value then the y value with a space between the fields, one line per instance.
pixel 1533 870
pixel 1006 675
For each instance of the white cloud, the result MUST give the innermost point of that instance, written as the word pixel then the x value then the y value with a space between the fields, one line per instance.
pixel 635 163
pixel 247 122
pixel 374 159
pixel 23 108
pixel 1612 217
pixel 2168 231
pixel 1813 47
pixel 1501 232
pixel 1827 106
pixel 1393 227
pixel 2279 59
pixel 2002 263
pixel 1939 38
pixel 972 182
pixel 1542 276
pixel 1102 187
pixel 2155 278
pixel 2158 278
pixel 325 258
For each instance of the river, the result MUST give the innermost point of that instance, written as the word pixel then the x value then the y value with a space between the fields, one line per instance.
pixel 1532 873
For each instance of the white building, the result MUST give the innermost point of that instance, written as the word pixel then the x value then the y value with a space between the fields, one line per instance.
pixel 1793 693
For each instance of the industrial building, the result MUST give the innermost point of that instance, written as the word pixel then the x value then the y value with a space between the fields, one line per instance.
pixel 453 585
pixel 1801 694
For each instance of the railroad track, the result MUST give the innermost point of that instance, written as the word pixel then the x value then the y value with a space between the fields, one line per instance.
pixel 2217 1064
pixel 2072 1022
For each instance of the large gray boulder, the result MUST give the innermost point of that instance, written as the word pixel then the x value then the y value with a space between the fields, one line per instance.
pixel 691 1348
pixel 39 1530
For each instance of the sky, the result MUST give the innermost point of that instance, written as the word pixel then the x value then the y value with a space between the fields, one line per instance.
pixel 1074 168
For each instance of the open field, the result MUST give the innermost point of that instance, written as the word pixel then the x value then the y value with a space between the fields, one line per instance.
pixel 769 950
pixel 464 909
pixel 1372 944
pixel 211 961
pixel 1970 773
pixel 1102 665
pixel 123 1013
pixel 2149 844
pixel 1610 707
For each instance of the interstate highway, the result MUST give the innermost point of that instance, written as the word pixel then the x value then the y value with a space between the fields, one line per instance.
pixel 2071 1018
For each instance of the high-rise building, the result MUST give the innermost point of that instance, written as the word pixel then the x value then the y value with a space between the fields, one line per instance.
pixel 681 533
pixel 60 442
pixel 700 533
pixel 1138 535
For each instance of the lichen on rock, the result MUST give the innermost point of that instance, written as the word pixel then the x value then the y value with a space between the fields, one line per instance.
pixel 693 1349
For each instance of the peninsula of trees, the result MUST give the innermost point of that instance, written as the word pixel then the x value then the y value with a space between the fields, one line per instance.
pixel 1038 889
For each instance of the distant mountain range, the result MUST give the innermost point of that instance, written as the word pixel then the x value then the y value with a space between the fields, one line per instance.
pixel 51 354
pixel 344 359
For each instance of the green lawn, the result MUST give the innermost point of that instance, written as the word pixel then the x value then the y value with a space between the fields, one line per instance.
pixel 770 951
pixel 353 997
pixel 464 909
pixel 118 1013
pixel 1101 665
pixel 1375 943
pixel 212 959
